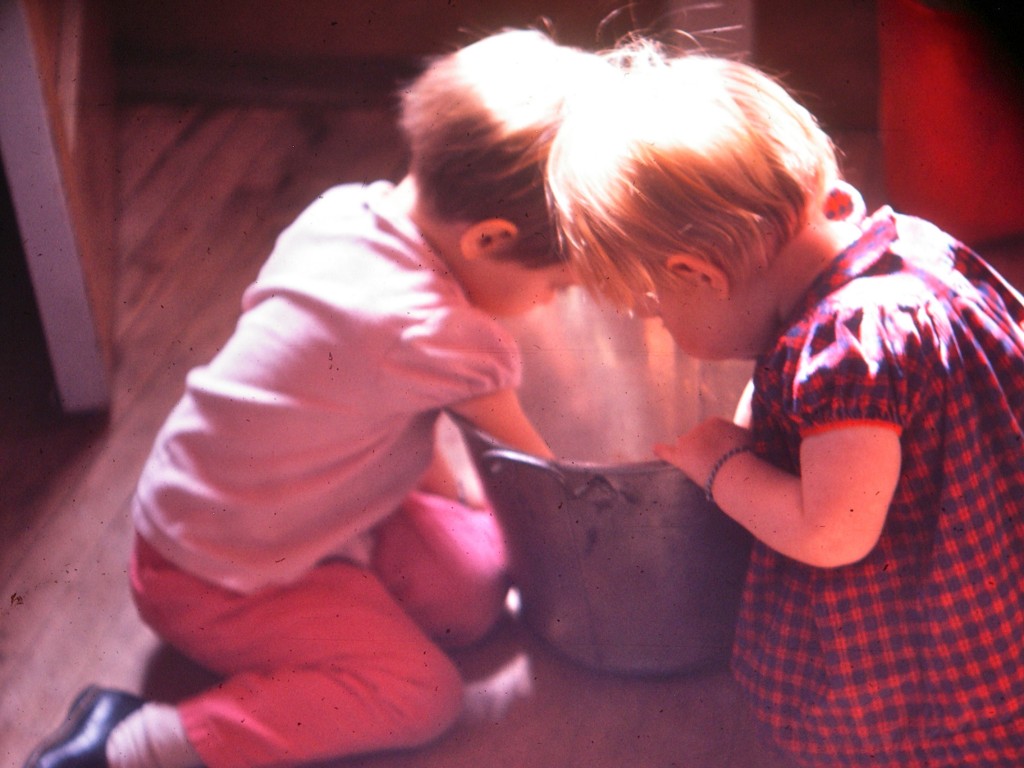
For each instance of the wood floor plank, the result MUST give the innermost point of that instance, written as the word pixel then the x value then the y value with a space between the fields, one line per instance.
pixel 196 142
pixel 147 133
pixel 193 297
pixel 178 243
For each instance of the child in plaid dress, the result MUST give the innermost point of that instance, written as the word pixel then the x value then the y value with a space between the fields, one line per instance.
pixel 878 460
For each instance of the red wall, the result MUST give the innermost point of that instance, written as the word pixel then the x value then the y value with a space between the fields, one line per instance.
pixel 952 121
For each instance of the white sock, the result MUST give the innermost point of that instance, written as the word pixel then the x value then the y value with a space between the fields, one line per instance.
pixel 151 737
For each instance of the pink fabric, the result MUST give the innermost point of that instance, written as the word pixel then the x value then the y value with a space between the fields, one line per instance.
pixel 445 563
pixel 328 666
pixel 337 663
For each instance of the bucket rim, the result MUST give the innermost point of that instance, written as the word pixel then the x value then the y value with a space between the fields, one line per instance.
pixel 497 447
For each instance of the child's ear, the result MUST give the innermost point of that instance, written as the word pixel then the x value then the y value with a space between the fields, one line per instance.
pixel 490 237
pixel 698 272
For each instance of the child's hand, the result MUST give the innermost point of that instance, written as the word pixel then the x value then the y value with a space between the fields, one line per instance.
pixel 696 452
pixel 501 416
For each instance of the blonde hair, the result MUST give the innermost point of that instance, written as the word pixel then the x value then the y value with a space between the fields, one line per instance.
pixel 479 123
pixel 687 154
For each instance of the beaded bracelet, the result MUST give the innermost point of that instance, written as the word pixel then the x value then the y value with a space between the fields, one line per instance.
pixel 718 466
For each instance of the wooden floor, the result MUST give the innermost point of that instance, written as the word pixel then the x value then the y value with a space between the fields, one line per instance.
pixel 204 192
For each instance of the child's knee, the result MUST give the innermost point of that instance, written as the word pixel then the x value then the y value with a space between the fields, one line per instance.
pixel 445 564
pixel 466 618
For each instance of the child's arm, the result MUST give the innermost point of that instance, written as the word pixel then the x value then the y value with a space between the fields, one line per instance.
pixel 831 515
pixel 451 472
pixel 501 415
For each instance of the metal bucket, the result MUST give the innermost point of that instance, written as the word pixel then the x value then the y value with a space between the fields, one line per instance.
pixel 621 567
pixel 620 562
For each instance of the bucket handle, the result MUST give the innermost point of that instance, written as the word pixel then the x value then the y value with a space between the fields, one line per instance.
pixel 494 457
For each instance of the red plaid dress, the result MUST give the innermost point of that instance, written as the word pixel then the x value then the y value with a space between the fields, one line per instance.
pixel 912 656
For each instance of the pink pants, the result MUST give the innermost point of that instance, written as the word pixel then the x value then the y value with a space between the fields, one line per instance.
pixel 334 664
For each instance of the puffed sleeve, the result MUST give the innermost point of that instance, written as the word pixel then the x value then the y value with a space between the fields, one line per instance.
pixel 871 363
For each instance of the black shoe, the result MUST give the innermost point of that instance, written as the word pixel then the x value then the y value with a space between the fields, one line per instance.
pixel 81 741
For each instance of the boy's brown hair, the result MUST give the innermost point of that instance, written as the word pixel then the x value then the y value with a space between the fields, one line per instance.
pixel 682 154
pixel 479 123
